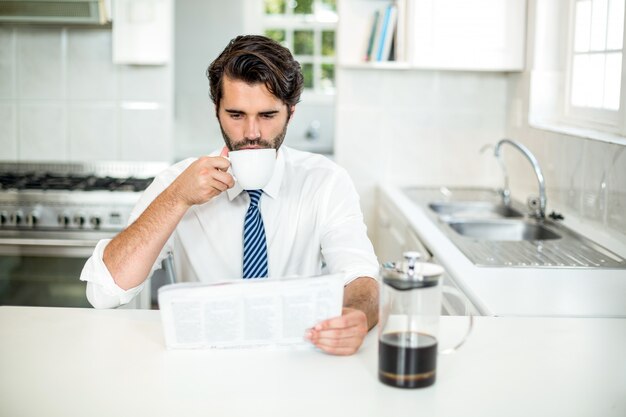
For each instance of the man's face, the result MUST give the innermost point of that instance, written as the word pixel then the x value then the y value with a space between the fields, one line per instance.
pixel 251 117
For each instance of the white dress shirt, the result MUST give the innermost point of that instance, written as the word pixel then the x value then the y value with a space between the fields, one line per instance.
pixel 310 211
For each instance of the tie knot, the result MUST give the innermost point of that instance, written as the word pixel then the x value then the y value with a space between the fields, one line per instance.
pixel 255 196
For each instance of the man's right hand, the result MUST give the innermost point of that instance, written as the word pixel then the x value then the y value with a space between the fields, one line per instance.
pixel 203 180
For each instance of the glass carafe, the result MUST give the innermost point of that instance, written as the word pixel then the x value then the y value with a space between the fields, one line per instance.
pixel 409 322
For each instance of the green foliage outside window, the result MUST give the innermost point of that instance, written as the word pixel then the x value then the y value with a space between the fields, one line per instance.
pixel 328 43
pixel 276 34
pixel 303 42
pixel 303 7
pixel 307 73
pixel 275 6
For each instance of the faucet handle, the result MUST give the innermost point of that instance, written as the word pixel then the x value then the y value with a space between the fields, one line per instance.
pixel 534 203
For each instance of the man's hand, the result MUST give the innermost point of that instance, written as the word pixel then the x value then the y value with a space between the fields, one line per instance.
pixel 341 335
pixel 203 180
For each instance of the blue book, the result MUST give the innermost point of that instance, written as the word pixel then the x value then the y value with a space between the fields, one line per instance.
pixel 383 33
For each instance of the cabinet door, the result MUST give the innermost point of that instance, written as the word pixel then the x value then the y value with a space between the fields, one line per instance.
pixel 390 237
pixel 413 243
pixel 467 34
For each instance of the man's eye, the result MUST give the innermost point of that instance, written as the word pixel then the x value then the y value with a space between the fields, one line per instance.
pixel 268 116
pixel 235 116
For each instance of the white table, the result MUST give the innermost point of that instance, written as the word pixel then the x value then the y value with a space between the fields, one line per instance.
pixel 82 362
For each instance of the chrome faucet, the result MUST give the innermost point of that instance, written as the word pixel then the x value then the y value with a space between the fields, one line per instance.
pixel 540 210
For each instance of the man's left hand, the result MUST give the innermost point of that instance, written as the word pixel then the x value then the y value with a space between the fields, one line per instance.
pixel 341 335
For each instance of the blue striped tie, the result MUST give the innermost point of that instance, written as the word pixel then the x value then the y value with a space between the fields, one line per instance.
pixel 254 246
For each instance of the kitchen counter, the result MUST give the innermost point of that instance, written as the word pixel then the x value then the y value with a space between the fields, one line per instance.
pixel 84 362
pixel 518 291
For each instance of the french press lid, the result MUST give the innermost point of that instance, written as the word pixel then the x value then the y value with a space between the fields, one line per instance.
pixel 410 274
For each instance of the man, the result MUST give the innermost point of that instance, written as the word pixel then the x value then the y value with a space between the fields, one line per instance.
pixel 195 210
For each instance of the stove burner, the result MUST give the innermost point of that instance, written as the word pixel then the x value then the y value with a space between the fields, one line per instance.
pixel 48 181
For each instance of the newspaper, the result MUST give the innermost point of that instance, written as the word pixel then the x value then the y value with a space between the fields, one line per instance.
pixel 271 313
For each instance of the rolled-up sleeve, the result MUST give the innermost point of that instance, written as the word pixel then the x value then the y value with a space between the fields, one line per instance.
pixel 345 245
pixel 102 291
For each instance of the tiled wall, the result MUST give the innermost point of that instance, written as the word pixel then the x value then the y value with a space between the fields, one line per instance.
pixel 584 177
pixel 62 99
pixel 415 127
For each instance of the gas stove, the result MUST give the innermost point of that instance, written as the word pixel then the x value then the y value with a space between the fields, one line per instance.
pixel 53 197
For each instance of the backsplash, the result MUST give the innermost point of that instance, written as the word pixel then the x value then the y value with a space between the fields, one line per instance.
pixel 583 176
pixel 62 99
pixel 418 127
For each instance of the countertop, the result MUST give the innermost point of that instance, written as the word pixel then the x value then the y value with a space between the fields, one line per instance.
pixel 518 291
pixel 84 362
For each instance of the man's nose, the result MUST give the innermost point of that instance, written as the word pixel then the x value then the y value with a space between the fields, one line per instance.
pixel 252 130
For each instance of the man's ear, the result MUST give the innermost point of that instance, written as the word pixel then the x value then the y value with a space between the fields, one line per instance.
pixel 292 110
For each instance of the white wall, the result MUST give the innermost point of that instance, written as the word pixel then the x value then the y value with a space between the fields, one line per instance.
pixel 62 99
pixel 203 29
pixel 416 127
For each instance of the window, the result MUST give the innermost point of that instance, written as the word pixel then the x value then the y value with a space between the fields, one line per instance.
pixel 594 76
pixel 307 28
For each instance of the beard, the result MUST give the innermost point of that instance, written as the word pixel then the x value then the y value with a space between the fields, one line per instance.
pixel 263 143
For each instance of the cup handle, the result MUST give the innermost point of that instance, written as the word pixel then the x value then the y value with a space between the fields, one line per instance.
pixel 456 293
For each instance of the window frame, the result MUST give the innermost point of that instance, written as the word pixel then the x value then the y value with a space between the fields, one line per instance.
pixel 604 120
pixel 291 22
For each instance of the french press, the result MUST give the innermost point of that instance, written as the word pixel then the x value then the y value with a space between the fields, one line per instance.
pixel 408 322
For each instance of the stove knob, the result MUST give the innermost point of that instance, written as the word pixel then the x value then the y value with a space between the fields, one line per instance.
pixel 79 219
pixel 95 221
pixel 64 219
pixel 17 217
pixel 4 217
pixel 33 218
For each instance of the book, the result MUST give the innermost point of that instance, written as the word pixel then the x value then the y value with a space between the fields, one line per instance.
pixel 372 38
pixel 387 32
pixel 269 313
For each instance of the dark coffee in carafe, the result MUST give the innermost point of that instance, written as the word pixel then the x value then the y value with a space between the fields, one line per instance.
pixel 407 359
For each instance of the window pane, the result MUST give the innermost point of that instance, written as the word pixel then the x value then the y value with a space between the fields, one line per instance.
pixel 303 7
pixel 615 32
pixel 580 80
pixel 612 81
pixel 598 25
pixel 596 79
pixel 328 43
pixel 275 6
pixel 277 34
pixel 307 73
pixel 328 77
pixel 303 42
pixel 583 26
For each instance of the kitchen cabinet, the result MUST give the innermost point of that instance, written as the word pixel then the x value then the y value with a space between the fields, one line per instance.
pixel 479 35
pixel 142 32
pixel 394 236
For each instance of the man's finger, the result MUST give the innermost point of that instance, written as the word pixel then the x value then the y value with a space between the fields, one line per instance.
pixel 224 152
pixel 340 350
pixel 344 333
pixel 349 319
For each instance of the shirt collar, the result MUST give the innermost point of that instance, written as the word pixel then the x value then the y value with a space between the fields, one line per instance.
pixel 273 186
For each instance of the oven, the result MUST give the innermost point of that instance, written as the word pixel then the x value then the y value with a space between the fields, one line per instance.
pixel 51 218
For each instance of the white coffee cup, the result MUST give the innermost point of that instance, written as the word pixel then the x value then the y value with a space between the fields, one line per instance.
pixel 253 168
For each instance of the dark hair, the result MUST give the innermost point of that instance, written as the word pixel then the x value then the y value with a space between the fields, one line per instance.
pixel 257 59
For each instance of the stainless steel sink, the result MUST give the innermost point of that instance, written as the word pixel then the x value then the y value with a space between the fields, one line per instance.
pixel 502 230
pixel 474 210
pixel 490 233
